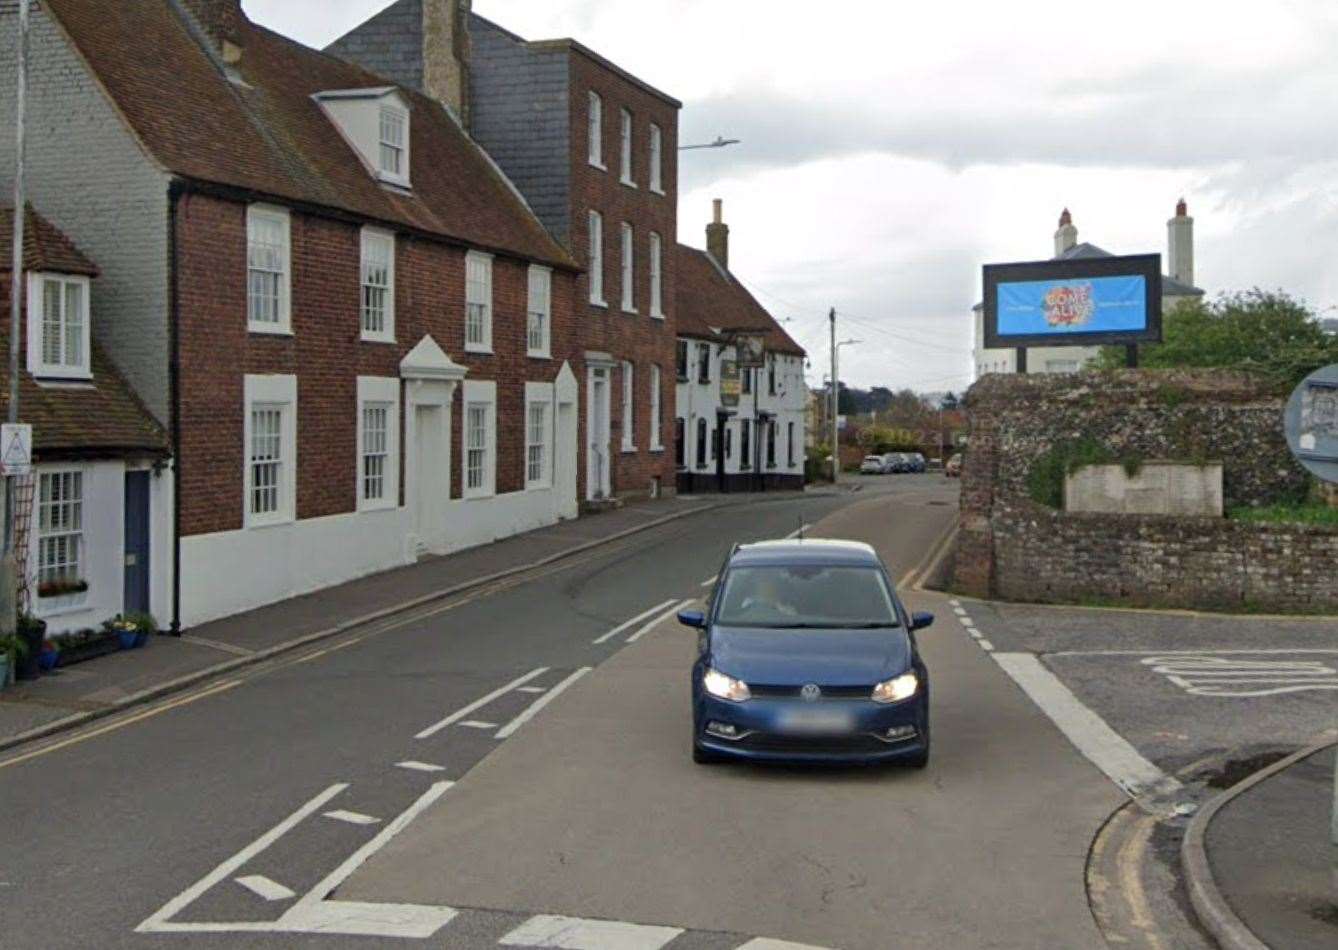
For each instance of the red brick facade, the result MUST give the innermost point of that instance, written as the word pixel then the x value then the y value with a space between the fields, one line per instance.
pixel 639 338
pixel 326 354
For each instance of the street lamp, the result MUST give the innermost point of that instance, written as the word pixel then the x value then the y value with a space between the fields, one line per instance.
pixel 720 142
pixel 836 403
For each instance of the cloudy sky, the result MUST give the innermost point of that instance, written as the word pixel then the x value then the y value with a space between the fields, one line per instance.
pixel 889 149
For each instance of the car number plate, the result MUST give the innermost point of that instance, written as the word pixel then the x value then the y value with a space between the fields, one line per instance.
pixel 815 720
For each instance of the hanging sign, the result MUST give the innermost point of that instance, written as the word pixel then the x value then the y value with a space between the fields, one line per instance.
pixel 730 384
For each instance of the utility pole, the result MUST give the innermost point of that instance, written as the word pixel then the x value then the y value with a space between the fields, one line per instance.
pixel 9 568
pixel 836 390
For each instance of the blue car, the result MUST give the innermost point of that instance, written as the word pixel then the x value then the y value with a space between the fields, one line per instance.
pixel 805 654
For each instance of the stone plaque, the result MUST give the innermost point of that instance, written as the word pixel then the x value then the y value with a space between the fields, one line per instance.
pixel 1159 488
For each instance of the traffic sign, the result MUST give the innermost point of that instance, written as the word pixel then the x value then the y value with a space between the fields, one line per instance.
pixel 16 449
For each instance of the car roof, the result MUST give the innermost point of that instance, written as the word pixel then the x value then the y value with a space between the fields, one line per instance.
pixel 804 551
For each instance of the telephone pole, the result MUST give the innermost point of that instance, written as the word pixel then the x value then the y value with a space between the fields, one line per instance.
pixel 836 388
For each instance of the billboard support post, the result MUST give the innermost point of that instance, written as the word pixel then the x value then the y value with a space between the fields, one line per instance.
pixel 1131 355
pixel 1022 360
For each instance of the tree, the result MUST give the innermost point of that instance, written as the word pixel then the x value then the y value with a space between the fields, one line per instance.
pixel 950 402
pixel 1263 331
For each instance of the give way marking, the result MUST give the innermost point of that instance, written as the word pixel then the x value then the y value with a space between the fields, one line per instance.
pixel 1240 677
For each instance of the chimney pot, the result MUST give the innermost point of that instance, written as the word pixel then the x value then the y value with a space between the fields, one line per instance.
pixel 719 210
pixel 1067 235
pixel 1065 219
pixel 1180 245
pixel 1181 208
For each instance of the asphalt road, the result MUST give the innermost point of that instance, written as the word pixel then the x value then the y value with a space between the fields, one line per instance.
pixel 126 822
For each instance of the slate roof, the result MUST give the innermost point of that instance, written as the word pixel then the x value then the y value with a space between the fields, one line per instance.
pixel 45 248
pixel 98 418
pixel 1170 287
pixel 266 135
pixel 709 298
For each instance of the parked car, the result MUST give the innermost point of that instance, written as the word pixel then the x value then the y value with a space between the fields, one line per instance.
pixel 915 462
pixel 895 463
pixel 872 465
pixel 953 468
pixel 806 654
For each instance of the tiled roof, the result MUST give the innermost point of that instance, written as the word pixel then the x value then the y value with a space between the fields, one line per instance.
pixel 265 134
pixel 45 248
pixel 100 418
pixel 710 298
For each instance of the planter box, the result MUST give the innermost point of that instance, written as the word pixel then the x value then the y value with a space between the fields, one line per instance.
pixel 89 650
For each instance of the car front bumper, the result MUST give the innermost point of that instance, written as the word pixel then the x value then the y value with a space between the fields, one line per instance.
pixel 761 737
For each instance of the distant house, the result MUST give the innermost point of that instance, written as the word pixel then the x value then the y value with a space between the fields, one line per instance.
pixel 357 334
pixel 736 429
pixel 94 520
pixel 1178 285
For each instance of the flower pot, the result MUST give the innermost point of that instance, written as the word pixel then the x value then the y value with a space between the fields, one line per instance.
pixel 33 633
pixel 47 660
pixel 127 639
pixel 4 670
pixel 141 638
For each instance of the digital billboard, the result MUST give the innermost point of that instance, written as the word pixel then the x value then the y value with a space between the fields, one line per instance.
pixel 1082 302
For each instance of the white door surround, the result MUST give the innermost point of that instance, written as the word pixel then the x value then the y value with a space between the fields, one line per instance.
pixel 599 454
pixel 432 377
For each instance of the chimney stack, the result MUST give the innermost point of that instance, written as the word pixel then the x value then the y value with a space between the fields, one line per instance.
pixel 1180 245
pixel 1067 235
pixel 446 53
pixel 222 22
pixel 717 236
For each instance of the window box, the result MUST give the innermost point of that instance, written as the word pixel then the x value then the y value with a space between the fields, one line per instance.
pixel 61 588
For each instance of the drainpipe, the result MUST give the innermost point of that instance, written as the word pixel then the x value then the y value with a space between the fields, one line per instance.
pixel 174 191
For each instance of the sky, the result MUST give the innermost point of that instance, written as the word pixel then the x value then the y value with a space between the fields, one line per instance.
pixel 889 149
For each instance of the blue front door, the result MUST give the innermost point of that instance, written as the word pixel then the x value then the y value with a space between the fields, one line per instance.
pixel 136 541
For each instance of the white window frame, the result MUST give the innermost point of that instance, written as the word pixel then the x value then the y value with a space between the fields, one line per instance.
pixel 656 276
pixel 480 394
pixel 395 112
pixel 72 566
pixel 478 292
pixel 656 159
pixel 595 131
pixel 539 395
pixel 372 240
pixel 629 407
pixel 277 392
pixel 596 271
pixel 268 214
pixel 37 365
pixel 539 310
pixel 376 392
pixel 656 433
pixel 625 128
pixel 628 290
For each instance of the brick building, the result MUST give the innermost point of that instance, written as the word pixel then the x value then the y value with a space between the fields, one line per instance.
pixel 358 336
pixel 736 428
pixel 594 151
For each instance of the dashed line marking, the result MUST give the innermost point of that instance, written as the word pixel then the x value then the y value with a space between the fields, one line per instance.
pixel 352 817
pixel 766 943
pixel 533 709
pixel 575 933
pixel 480 702
pixel 709 581
pixel 479 723
pixel 986 645
pixel 415 766
pixel 627 624
pixel 655 621
pixel 532 689
pixel 264 887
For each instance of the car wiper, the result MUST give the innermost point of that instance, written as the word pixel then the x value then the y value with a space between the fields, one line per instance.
pixel 867 625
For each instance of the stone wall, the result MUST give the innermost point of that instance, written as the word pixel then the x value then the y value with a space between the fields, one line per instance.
pixel 1009 546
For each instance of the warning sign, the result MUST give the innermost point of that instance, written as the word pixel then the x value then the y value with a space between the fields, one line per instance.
pixel 16 449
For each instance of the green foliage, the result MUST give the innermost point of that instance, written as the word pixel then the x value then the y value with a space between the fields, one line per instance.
pixel 1045 478
pixel 13 647
pixel 1288 514
pixel 1266 332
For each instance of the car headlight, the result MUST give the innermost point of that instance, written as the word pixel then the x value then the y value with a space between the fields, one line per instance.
pixel 896 689
pixel 725 687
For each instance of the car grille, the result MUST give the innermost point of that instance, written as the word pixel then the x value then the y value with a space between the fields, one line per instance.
pixel 764 691
pixel 860 742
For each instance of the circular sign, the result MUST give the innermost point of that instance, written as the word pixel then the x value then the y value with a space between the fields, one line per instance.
pixel 1311 423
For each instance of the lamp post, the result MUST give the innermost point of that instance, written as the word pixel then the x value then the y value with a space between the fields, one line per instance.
pixel 720 142
pixel 836 398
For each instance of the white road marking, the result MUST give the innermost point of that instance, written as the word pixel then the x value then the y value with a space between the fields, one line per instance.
pixel 173 907
pixel 266 888
pixel 420 766
pixel 766 943
pixel 533 709
pixel 955 603
pixel 1205 652
pixel 710 580
pixel 574 933
pixel 312 913
pixel 631 623
pixel 532 689
pixel 352 817
pixel 1236 677
pixel 959 611
pixel 654 621
pixel 797 532
pixel 1103 747
pixel 480 724
pixel 481 702
pixel 985 645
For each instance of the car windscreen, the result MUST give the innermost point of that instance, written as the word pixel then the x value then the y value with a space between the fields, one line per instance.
pixel 801 596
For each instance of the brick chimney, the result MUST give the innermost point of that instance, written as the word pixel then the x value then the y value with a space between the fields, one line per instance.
pixel 717 236
pixel 1180 245
pixel 222 21
pixel 446 54
pixel 1067 235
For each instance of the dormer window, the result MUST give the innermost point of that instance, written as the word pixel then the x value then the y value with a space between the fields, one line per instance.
pixel 375 122
pixel 394 126
pixel 58 326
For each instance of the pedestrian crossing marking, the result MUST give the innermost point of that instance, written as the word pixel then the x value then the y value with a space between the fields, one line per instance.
pixel 575 933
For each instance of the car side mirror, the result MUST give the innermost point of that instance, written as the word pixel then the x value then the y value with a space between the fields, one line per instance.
pixel 919 620
pixel 692 618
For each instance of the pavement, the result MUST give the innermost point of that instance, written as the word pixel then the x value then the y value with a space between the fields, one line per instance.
pixel 1270 859
pixel 70 696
